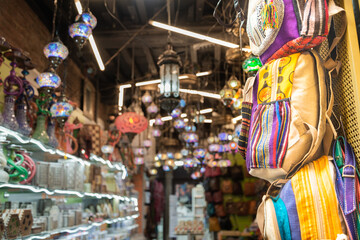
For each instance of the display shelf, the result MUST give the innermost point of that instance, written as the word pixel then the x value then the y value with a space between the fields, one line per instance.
pixel 44 151
pixel 83 227
pixel 35 189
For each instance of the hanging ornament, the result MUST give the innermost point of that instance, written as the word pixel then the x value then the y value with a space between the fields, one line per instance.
pixel 139 160
pixel 233 147
pixel 153 171
pixel 147 143
pixel 157 164
pixel 176 113
pixel 213 148
pixel 48 79
pixel 80 32
pixel 170 155
pixel 199 119
pixel 152 109
pixel 156 132
pixel 178 156
pixel 184 152
pixel 251 64
pixel 199 153
pixel 223 136
pixel 179 124
pixel 146 98
pixel 233 82
pixel 158 121
pixel 227 94
pixel 182 103
pixel 88 18
pixel 131 122
pixel 56 52
pixel 190 128
pixel 169 63
pixel 190 137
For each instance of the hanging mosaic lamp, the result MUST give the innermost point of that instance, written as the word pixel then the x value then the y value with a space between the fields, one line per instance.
pixel 158 121
pixel 146 98
pixel 88 18
pixel 223 136
pixel 176 113
pixel 190 128
pixel 152 109
pixel 170 155
pixel 182 103
pixel 184 152
pixel 131 122
pixel 178 156
pixel 233 82
pixel 196 175
pixel 191 137
pixel 61 110
pixel 227 95
pixel 139 151
pixel 233 146
pixel 147 143
pixel 48 79
pixel 156 132
pixel 153 171
pixel 139 161
pixel 166 168
pixel 179 124
pixel 251 64
pixel 213 148
pixel 56 52
pixel 157 164
pixel 80 32
pixel 199 119
pixel 199 153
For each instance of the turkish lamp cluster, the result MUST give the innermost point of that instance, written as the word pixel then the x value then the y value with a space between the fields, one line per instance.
pixel 81 30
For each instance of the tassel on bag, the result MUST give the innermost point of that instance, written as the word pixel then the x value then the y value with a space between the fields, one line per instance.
pixel 269 15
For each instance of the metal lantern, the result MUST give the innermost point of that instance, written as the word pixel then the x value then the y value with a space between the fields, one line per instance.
pixel 80 32
pixel 146 98
pixel 56 52
pixel 227 95
pixel 233 82
pixel 169 63
pixel 88 18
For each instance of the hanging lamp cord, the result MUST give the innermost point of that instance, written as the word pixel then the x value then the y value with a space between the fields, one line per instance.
pixel 54 19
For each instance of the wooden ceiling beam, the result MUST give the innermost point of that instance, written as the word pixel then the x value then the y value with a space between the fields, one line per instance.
pixel 199 9
pixel 127 57
pixel 151 63
pixel 140 5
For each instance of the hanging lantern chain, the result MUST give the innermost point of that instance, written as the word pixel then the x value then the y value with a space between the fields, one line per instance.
pixel 54 19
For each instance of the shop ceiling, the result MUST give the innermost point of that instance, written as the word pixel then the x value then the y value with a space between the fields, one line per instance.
pixel 118 20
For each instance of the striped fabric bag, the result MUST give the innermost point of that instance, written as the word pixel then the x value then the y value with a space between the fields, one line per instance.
pixel 289 115
pixel 306 207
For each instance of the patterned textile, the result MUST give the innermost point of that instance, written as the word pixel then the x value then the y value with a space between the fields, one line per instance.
pixel 276 79
pixel 94 132
pixel 316 201
pixel 245 126
pixel 269 134
pixel 271 115
pixel 294 46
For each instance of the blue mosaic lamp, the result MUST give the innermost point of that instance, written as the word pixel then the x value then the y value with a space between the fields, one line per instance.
pixel 80 32
pixel 56 52
pixel 88 18
pixel 48 79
